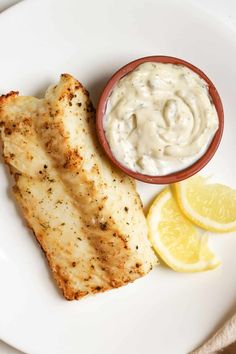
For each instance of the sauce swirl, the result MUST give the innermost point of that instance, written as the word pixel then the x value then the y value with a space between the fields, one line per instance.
pixel 160 118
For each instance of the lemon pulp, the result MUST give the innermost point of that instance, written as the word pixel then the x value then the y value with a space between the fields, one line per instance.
pixel 211 206
pixel 175 239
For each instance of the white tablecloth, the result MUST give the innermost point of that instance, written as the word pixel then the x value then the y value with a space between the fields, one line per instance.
pixel 225 9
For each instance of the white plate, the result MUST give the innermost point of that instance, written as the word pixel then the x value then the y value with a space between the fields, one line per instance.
pixel 164 312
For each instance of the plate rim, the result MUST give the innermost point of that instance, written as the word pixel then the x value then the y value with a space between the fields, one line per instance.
pixel 25 3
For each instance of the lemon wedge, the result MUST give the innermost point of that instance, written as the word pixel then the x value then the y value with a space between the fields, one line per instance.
pixel 211 206
pixel 175 239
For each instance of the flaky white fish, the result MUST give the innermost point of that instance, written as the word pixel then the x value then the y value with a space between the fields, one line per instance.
pixel 86 215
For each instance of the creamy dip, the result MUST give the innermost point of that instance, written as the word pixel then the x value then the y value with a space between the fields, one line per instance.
pixel 160 118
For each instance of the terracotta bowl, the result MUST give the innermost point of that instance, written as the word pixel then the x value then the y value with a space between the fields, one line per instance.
pixel 176 176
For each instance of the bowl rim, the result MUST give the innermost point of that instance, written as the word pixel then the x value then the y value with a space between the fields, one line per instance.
pixel 178 175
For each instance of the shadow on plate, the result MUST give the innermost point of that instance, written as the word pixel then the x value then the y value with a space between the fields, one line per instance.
pixel 96 87
pixel 40 92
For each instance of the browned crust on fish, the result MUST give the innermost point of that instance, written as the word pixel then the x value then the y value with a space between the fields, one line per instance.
pixel 94 236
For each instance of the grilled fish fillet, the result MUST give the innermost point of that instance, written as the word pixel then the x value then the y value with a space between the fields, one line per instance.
pixel 86 215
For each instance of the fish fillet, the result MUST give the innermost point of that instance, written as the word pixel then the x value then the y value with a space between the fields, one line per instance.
pixel 86 215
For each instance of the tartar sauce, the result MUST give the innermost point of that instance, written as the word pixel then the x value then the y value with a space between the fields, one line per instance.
pixel 160 118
